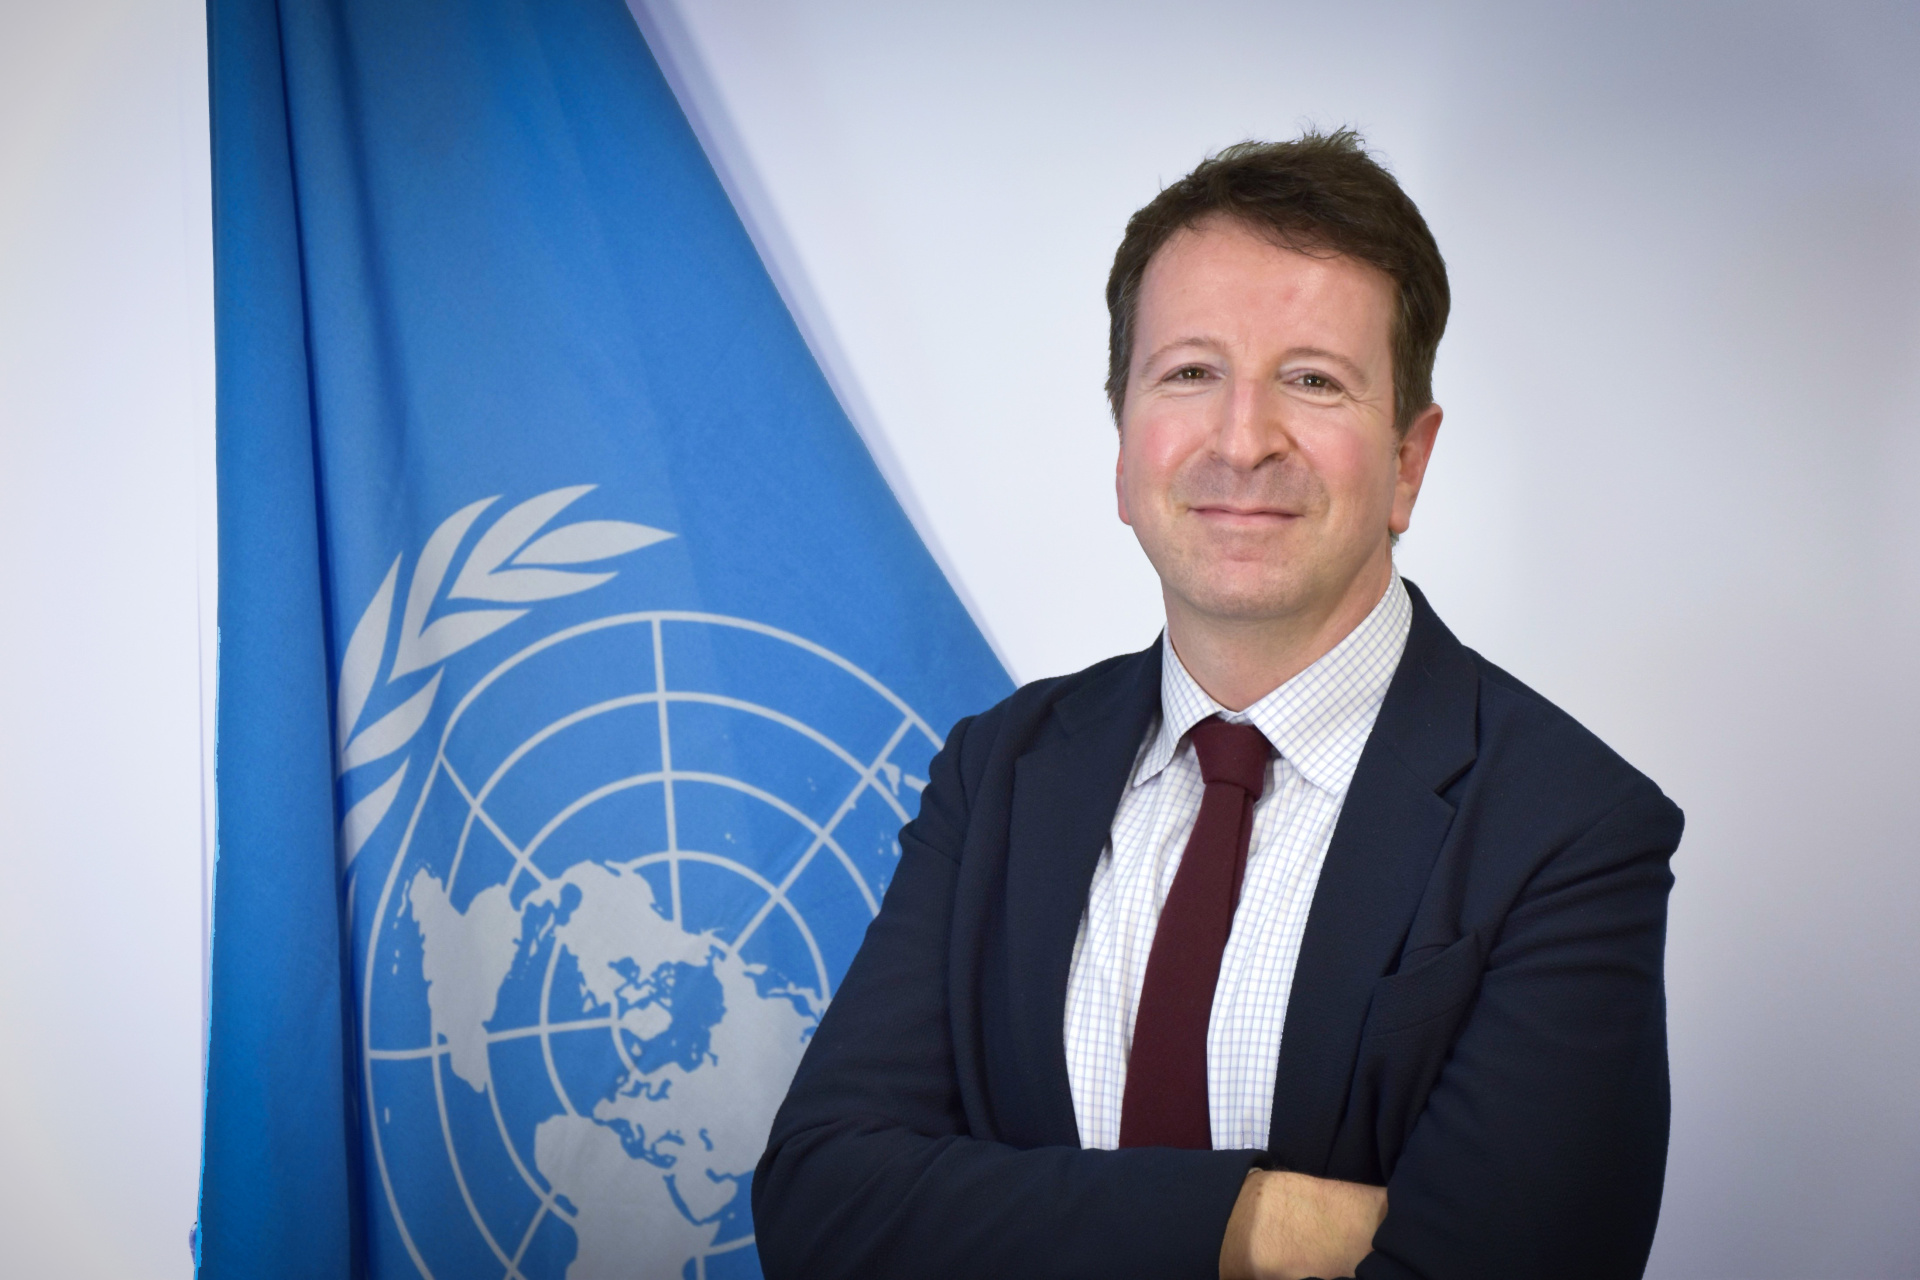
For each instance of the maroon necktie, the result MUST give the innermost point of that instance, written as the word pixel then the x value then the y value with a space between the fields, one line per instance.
pixel 1166 1099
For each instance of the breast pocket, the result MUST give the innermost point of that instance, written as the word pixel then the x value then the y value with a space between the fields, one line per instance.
pixel 1429 989
pixel 1411 1025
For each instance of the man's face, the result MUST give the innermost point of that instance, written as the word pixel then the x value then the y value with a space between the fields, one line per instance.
pixel 1258 465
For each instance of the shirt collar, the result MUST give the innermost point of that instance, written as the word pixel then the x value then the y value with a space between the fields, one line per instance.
pixel 1319 720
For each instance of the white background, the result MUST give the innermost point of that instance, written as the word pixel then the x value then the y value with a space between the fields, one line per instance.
pixel 106 436
pixel 1682 383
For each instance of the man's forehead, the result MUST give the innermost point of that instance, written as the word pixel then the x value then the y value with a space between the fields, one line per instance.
pixel 1220 275
pixel 1220 240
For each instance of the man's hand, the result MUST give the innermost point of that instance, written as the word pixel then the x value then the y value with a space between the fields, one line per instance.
pixel 1288 1226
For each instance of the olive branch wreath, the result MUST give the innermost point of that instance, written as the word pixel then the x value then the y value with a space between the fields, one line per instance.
pixel 508 565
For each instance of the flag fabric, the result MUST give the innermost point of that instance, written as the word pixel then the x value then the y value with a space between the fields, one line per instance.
pixel 577 667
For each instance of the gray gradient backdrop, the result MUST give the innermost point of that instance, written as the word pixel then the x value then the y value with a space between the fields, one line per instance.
pixel 1682 385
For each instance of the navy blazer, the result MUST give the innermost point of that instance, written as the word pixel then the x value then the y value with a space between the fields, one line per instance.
pixel 1478 1017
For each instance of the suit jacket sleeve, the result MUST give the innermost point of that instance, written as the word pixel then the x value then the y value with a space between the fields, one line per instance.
pixel 874 1167
pixel 1540 1150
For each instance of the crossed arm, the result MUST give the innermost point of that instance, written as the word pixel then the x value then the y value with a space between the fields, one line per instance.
pixel 1289 1226
pixel 858 1194
pixel 1537 1152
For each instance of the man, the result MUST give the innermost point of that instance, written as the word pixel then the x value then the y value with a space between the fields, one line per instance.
pixel 1305 942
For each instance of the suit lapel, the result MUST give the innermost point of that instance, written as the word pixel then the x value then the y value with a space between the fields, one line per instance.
pixel 1065 792
pixel 1383 848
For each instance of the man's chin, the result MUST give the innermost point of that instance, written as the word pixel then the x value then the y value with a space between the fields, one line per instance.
pixel 1243 604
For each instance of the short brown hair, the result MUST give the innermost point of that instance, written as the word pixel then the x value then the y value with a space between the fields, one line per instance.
pixel 1320 194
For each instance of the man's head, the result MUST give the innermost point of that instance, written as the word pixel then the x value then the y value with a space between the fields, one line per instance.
pixel 1275 316
pixel 1319 194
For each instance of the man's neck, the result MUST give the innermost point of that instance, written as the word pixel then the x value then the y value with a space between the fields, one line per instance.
pixel 1239 661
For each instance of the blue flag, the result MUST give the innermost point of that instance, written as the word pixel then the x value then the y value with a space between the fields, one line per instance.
pixel 577 666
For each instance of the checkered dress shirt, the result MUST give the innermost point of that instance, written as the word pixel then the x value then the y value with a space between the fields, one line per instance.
pixel 1317 722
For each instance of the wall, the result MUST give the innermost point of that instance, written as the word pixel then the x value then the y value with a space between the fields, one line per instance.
pixel 1682 382
pixel 105 521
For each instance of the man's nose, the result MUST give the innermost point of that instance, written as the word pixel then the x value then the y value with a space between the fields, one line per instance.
pixel 1254 427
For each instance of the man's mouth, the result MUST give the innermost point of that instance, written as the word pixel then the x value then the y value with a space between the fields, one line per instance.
pixel 1252 517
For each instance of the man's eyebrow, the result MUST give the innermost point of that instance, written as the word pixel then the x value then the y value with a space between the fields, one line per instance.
pixel 1196 340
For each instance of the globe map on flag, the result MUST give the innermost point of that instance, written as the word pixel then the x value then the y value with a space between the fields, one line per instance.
pixel 646 850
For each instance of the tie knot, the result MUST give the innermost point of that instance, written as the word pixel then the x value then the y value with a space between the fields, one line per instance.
pixel 1235 753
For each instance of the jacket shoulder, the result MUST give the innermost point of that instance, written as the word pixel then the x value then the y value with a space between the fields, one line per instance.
pixel 1009 727
pixel 1522 731
pixel 973 770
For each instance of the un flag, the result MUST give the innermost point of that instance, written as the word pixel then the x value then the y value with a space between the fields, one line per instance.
pixel 577 667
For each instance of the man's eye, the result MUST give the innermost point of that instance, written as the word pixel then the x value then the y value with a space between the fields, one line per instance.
pixel 1189 373
pixel 1315 382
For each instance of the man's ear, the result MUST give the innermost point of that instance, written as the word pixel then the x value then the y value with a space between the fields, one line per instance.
pixel 1120 481
pixel 1411 457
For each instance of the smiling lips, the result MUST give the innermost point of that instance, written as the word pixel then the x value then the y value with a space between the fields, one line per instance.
pixel 1277 492
pixel 1244 516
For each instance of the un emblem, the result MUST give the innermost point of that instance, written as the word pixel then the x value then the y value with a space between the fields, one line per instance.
pixel 643 849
